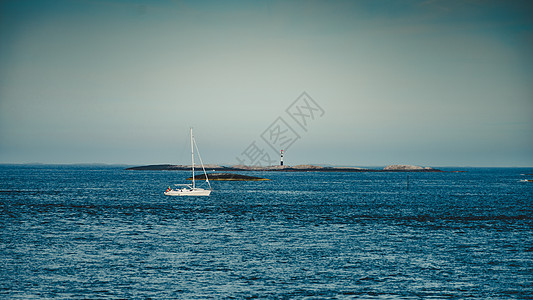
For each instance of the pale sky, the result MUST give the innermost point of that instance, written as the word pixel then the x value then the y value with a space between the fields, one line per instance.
pixel 432 83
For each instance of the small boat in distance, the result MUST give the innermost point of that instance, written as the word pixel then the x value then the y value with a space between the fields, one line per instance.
pixel 191 189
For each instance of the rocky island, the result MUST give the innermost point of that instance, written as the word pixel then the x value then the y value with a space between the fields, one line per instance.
pixel 298 168
pixel 406 168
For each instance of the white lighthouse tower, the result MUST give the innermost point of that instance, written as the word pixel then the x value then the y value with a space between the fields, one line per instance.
pixel 281 162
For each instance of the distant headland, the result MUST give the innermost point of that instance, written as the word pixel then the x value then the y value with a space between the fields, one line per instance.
pixel 298 168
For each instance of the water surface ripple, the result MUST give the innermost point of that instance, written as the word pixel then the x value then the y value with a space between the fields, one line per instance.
pixel 103 232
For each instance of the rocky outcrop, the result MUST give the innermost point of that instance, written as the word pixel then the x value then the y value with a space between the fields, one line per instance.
pixel 173 167
pixel 405 168
pixel 308 167
pixel 298 168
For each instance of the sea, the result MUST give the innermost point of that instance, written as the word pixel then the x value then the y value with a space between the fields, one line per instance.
pixel 103 232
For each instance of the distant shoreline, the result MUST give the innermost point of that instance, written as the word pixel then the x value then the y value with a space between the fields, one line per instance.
pixel 300 168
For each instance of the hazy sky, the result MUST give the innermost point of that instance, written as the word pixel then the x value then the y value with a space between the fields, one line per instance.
pixel 433 83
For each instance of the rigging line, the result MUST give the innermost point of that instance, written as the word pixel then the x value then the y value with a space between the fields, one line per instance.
pixel 202 163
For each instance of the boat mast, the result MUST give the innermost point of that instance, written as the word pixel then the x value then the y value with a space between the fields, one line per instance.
pixel 192 159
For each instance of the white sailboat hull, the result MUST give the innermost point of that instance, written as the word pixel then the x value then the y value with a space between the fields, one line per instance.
pixel 188 192
pixel 191 190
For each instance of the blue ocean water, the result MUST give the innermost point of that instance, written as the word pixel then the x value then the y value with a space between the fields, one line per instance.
pixel 103 232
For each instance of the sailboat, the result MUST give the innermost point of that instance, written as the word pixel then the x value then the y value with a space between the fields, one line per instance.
pixel 191 189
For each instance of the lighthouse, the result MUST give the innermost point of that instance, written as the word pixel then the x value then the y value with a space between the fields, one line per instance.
pixel 281 162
